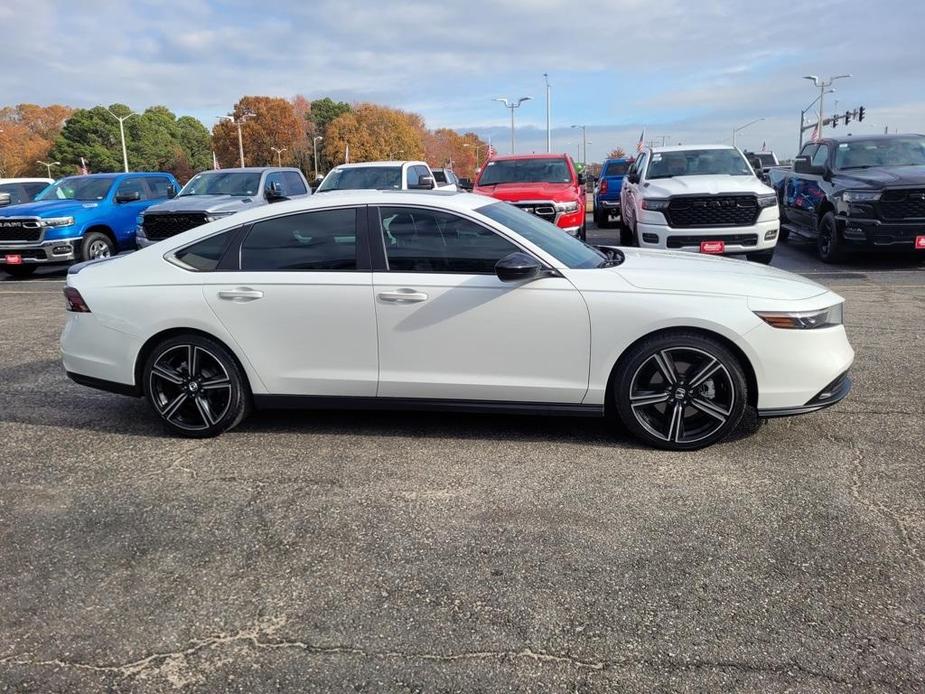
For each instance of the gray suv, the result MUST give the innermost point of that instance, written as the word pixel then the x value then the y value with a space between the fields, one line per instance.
pixel 211 195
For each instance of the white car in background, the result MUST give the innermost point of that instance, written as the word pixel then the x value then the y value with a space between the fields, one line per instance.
pixel 454 302
pixel 446 180
pixel 701 198
pixel 379 175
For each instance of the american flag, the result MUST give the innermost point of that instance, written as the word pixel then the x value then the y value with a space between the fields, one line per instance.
pixel 642 138
pixel 815 136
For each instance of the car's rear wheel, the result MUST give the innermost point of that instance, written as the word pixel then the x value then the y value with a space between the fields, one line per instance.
pixel 96 245
pixel 680 391
pixel 764 257
pixel 195 386
pixel 20 270
pixel 828 245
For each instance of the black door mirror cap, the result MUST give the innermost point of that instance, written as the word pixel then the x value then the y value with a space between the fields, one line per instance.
pixel 518 267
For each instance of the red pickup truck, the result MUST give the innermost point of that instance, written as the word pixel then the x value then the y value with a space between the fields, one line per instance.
pixel 546 185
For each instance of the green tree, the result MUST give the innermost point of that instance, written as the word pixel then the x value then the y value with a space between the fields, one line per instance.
pixel 322 113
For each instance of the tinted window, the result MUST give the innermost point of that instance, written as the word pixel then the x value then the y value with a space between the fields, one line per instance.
pixel 276 179
pixel 616 169
pixel 892 151
pixel 538 170
pixel 129 186
pixel 157 185
pixel 440 176
pixel 362 178
pixel 322 240
pixel 293 184
pixel 33 189
pixel 413 175
pixel 821 155
pixel 204 255
pixel 419 240
pixel 808 150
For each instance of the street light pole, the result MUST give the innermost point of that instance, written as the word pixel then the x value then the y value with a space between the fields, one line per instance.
pixel 279 155
pixel 512 104
pixel 477 147
pixel 548 131
pixel 238 121
pixel 803 125
pixel 122 120
pixel 823 85
pixel 315 140
pixel 584 139
pixel 736 131
pixel 48 165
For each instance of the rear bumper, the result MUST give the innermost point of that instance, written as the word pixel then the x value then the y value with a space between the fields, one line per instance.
pixel 43 252
pixel 833 393
pixel 873 234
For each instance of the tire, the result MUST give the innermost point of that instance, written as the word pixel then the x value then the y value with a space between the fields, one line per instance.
pixel 600 220
pixel 652 389
pixel 583 232
pixel 783 235
pixel 627 237
pixel 828 245
pixel 216 399
pixel 764 257
pixel 95 245
pixel 20 270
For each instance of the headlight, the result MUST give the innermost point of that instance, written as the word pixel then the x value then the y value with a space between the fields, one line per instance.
pixel 140 219
pixel 567 206
pixel 57 221
pixel 860 196
pixel 769 200
pixel 654 204
pixel 215 216
pixel 804 320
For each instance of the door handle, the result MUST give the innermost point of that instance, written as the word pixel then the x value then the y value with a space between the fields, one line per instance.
pixel 240 294
pixel 403 296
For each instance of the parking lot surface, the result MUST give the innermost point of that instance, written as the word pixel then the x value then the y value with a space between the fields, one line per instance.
pixel 359 551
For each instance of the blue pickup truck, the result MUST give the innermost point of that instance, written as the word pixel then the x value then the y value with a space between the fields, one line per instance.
pixel 78 218
pixel 607 191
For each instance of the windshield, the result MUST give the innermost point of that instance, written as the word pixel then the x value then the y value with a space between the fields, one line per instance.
pixel 237 183
pixel 568 250
pixel 863 154
pixel 544 170
pixel 77 188
pixel 698 162
pixel 362 178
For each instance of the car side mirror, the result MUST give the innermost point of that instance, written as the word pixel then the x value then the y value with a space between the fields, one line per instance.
pixel 426 183
pixel 581 179
pixel 128 197
pixel 171 191
pixel 5 199
pixel 802 165
pixel 274 192
pixel 517 267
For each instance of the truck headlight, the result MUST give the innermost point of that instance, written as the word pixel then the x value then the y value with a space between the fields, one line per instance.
pixel 860 196
pixel 57 221
pixel 804 320
pixel 769 200
pixel 567 207
pixel 654 204
pixel 140 219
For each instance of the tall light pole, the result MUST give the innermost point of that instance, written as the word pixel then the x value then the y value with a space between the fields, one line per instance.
pixel 584 139
pixel 315 140
pixel 512 104
pixel 736 131
pixel 122 120
pixel 279 154
pixel 803 125
pixel 238 121
pixel 477 147
pixel 548 131
pixel 48 165
pixel 822 85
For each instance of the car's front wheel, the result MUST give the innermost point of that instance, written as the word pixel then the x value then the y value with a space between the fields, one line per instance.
pixel 828 243
pixel 96 245
pixel 195 386
pixel 680 390
pixel 627 237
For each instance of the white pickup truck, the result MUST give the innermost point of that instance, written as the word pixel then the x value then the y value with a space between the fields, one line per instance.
pixel 700 198
pixel 379 175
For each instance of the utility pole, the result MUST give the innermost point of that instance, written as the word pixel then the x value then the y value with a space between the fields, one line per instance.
pixel 48 165
pixel 584 139
pixel 512 104
pixel 238 121
pixel 548 131
pixel 122 120
pixel 279 155
pixel 823 85
pixel 803 126
pixel 735 131
pixel 315 140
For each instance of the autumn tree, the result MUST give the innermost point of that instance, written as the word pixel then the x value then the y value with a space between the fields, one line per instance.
pixel 374 133
pixel 302 145
pixel 274 124
pixel 447 148
pixel 617 153
pixel 27 132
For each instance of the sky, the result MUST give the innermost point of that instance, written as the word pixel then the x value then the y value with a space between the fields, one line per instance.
pixel 686 70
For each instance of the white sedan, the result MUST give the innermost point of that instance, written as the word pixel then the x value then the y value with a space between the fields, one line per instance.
pixel 454 302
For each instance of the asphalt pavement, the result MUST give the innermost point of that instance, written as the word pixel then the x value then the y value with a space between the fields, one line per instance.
pixel 421 552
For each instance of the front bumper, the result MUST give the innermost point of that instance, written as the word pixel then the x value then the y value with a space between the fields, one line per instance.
pixel 760 236
pixel 42 252
pixel 143 241
pixel 873 234
pixel 833 393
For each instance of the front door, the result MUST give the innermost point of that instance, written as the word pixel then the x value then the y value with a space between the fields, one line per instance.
pixel 450 329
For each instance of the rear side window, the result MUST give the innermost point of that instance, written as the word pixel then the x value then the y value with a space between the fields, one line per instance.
pixel 205 255
pixel 322 240
pixel 132 185
pixel 157 185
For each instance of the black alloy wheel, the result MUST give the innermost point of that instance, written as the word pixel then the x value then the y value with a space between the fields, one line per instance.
pixel 828 245
pixel 196 387
pixel 681 391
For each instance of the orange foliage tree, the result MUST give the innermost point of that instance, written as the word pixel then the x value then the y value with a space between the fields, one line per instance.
pixel 27 132
pixel 445 148
pixel 374 133
pixel 275 124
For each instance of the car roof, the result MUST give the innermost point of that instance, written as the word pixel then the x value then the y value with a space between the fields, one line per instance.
pixel 507 157
pixel 687 148
pixel 250 169
pixel 120 173
pixel 27 180
pixel 851 138
pixel 395 162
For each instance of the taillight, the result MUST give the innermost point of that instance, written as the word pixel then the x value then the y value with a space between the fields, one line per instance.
pixel 603 187
pixel 75 302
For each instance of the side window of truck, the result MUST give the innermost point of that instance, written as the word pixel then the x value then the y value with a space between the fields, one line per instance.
pixel 821 156
pixel 808 150
pixel 292 184
pixel 157 187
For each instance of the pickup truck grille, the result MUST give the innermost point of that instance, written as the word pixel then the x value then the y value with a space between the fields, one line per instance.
pixel 543 210
pixel 164 225
pixel 12 229
pixel 712 211
pixel 903 204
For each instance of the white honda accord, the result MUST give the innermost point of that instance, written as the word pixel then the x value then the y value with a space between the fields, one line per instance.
pixel 454 302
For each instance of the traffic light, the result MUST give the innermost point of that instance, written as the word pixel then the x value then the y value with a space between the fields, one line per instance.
pixel 847 117
pixel 860 114
pixel 835 120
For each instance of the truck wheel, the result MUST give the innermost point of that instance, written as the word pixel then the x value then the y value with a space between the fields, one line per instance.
pixel 599 219
pixel 583 232
pixel 96 245
pixel 764 257
pixel 627 237
pixel 828 245
pixel 783 235
pixel 20 270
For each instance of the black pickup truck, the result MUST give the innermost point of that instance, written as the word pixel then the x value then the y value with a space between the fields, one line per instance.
pixel 856 193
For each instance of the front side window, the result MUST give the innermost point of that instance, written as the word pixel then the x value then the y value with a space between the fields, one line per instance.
pixel 698 162
pixel 132 186
pixel 808 150
pixel 362 178
pixel 640 165
pixel 204 255
pixel 276 179
pixel 421 240
pixel 158 186
pixel 293 184
pixel 413 176
pixel 533 170
pixel 821 156
pixel 320 240
pixel 236 183
pixel 85 188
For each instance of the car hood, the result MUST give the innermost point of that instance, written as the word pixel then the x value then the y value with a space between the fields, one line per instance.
pixel 704 185
pixel 880 176
pixel 47 208
pixel 517 192
pixel 205 203
pixel 681 271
